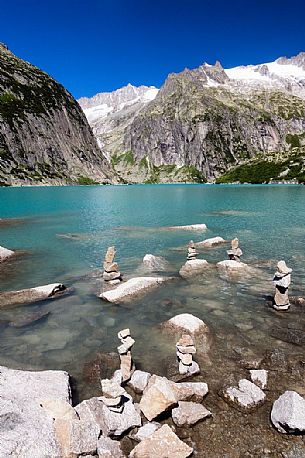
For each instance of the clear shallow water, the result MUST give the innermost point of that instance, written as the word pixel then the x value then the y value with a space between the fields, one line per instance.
pixel 63 234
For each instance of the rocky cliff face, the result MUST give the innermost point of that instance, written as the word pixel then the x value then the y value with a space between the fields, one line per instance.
pixel 44 135
pixel 208 120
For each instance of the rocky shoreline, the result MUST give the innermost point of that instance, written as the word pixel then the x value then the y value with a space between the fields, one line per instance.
pixel 254 403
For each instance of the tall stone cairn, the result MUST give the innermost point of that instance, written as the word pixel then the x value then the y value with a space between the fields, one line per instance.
pixel 111 274
pixel 127 367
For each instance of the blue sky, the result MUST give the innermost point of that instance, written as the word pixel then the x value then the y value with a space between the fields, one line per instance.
pixel 92 46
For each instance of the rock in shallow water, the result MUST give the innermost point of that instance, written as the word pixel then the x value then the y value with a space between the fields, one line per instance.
pixel 162 443
pixel 132 288
pixel 155 263
pixel 246 396
pixel 5 253
pixel 186 322
pixel 209 243
pixel 288 413
pixel 31 295
pixel 230 265
pixel 193 267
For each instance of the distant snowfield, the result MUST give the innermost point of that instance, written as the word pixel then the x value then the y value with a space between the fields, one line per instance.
pixel 256 72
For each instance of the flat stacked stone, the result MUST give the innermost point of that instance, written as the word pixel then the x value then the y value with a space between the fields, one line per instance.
pixel 281 281
pixel 125 354
pixel 185 351
pixel 235 252
pixel 112 395
pixel 191 251
pixel 111 269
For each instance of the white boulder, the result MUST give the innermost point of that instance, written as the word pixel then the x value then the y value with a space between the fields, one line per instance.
pixel 288 413
pixel 132 288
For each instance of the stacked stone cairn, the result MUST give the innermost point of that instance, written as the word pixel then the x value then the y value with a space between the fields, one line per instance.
pixel 235 252
pixel 281 281
pixel 111 269
pixel 127 366
pixel 113 395
pixel 191 251
pixel 185 351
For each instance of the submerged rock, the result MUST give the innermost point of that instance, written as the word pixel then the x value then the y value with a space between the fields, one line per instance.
pixel 288 413
pixel 5 253
pixel 193 267
pixel 191 227
pixel 132 288
pixel 189 413
pixel 31 295
pixel 209 243
pixel 26 428
pixel 246 396
pixel 163 442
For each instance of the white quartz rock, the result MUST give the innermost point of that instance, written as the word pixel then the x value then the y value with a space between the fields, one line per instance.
pixel 139 381
pixel 186 322
pixel 5 253
pixel 247 395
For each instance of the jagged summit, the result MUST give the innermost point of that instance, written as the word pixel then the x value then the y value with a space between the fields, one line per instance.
pixel 103 103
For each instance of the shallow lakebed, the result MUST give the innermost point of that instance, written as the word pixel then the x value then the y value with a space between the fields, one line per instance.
pixel 61 235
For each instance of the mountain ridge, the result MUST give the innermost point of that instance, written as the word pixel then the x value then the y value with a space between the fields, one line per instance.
pixel 210 119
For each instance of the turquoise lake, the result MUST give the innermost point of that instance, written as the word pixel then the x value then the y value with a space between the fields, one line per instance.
pixel 62 234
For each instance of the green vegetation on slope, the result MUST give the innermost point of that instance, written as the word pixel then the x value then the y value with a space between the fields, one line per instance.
pixel 273 167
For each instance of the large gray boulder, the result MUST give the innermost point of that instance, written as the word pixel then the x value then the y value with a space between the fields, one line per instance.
pixel 133 287
pixel 5 253
pixel 288 413
pixel 26 428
